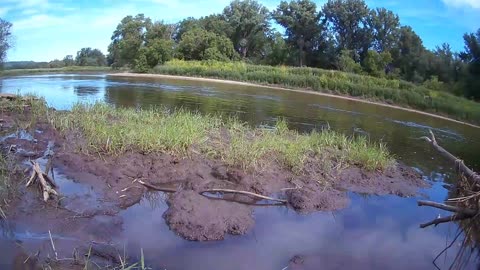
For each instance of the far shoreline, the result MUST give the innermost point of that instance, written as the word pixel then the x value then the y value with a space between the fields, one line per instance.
pixel 304 91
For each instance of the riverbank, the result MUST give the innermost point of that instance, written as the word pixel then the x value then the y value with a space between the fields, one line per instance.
pixel 390 91
pixel 214 80
pixel 212 172
pixel 80 69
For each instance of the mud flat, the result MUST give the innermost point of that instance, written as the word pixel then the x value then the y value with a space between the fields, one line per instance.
pixel 213 173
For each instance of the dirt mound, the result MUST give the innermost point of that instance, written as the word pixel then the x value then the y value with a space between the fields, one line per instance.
pixel 195 217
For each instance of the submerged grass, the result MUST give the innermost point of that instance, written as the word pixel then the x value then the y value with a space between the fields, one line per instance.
pixel 110 130
pixel 336 82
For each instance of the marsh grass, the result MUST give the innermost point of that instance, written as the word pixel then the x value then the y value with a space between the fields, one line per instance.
pixel 336 82
pixel 15 72
pixel 109 130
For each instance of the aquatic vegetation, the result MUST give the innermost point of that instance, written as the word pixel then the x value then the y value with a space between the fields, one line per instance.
pixel 328 81
pixel 109 130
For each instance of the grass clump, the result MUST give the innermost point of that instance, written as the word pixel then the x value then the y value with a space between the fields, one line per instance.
pixel 378 89
pixel 116 130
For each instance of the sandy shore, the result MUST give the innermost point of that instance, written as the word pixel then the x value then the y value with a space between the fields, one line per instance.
pixel 128 74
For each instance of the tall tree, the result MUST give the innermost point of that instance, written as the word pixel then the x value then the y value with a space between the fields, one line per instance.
pixel 5 39
pixel 127 39
pixel 408 55
pixel 90 57
pixel 301 20
pixel 472 57
pixel 199 44
pixel 348 19
pixel 385 26
pixel 249 21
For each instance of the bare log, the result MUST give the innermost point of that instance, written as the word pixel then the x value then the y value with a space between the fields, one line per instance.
pixel 460 165
pixel 449 208
pixel 445 220
pixel 247 193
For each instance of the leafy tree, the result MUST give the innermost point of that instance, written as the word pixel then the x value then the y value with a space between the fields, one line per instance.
pixel 301 20
pixel 472 57
pixel 5 39
pixel 347 19
pixel 158 51
pixel 199 44
pixel 213 23
pixel 277 50
pixel 90 57
pixel 140 64
pixel 159 30
pixel 347 63
pixel 376 63
pixel 56 64
pixel 408 55
pixel 385 27
pixel 249 21
pixel 68 61
pixel 127 39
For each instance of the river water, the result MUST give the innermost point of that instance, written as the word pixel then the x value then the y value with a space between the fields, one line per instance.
pixel 374 232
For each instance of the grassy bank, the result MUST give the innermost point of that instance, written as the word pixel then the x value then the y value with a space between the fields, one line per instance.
pixel 114 131
pixel 15 72
pixel 377 89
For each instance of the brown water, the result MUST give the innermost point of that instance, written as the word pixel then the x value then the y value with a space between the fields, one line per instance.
pixel 374 232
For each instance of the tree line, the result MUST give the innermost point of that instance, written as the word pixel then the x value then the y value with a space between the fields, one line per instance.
pixel 343 35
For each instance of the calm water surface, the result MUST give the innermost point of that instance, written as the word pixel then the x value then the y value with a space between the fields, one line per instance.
pixel 375 232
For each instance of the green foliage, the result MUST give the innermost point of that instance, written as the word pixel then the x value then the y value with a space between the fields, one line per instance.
pixel 68 61
pixel 301 21
pixel 90 57
pixel 347 64
pixel 199 44
pixel 5 39
pixel 434 84
pixel 379 89
pixel 141 63
pixel 375 63
pixel 249 21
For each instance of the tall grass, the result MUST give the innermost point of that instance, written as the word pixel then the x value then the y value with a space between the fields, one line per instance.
pixel 329 81
pixel 110 130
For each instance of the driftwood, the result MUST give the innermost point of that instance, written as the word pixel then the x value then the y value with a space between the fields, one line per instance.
pixel 217 190
pixel 460 165
pixel 461 168
pixel 451 218
pixel 450 208
pixel 42 179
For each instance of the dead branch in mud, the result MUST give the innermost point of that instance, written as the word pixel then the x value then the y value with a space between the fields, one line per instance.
pixel 217 190
pixel 44 182
pixel 450 208
pixel 460 165
pixel 463 170
pixel 437 221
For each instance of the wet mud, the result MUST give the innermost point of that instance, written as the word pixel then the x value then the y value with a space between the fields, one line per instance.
pixel 95 190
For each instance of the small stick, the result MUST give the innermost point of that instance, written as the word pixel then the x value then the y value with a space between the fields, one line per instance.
pixel 170 190
pixel 53 245
pixel 243 193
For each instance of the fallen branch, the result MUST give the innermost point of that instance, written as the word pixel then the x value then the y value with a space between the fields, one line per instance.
pixel 216 190
pixel 45 183
pixel 258 196
pixel 449 208
pixel 445 220
pixel 460 165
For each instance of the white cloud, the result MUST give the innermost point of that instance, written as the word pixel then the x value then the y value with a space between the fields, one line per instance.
pixel 463 3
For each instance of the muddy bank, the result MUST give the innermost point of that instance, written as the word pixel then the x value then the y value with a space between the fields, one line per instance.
pixel 95 189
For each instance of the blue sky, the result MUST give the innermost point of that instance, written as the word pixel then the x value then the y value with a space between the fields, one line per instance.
pixel 49 29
